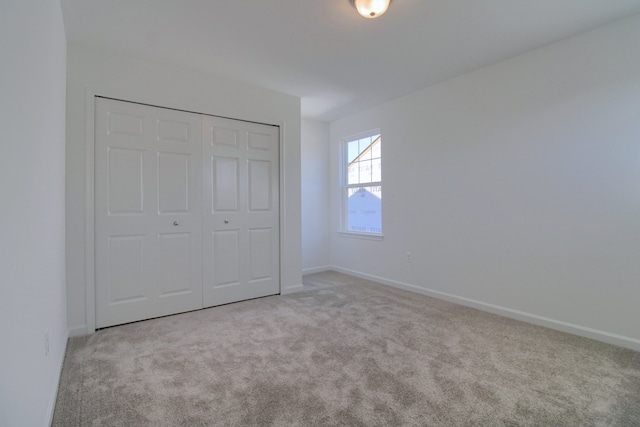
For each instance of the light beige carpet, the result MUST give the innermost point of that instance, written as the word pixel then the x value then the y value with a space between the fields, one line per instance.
pixel 344 352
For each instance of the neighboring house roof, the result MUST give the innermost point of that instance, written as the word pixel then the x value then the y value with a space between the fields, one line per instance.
pixel 366 150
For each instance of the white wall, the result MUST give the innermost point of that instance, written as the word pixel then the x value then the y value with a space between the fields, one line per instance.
pixel 107 74
pixel 32 277
pixel 315 195
pixel 516 187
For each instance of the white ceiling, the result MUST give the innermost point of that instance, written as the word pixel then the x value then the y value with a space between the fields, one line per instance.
pixel 322 51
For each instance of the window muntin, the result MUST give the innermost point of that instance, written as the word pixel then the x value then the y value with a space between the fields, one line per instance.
pixel 363 184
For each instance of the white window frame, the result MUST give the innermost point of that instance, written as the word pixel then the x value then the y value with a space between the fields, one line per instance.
pixel 345 186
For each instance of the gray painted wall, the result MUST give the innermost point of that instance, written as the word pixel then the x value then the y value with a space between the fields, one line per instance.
pixel 32 176
pixel 515 187
pixel 315 195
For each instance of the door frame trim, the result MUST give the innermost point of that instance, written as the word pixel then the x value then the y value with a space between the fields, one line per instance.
pixel 89 214
pixel 89 193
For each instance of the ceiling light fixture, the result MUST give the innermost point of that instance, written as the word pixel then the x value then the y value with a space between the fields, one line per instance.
pixel 371 8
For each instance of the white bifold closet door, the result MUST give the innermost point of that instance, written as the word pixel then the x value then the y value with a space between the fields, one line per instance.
pixel 186 211
pixel 241 210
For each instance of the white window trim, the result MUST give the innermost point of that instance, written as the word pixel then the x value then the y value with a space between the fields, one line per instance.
pixel 361 235
pixel 344 188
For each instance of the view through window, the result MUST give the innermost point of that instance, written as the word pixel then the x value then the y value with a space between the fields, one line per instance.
pixel 363 189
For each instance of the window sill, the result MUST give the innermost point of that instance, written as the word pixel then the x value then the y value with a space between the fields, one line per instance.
pixel 365 236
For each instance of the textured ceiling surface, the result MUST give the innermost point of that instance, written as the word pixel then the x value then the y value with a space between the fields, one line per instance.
pixel 325 53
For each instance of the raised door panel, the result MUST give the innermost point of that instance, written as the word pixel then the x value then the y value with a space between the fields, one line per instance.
pixel 223 137
pixel 260 141
pixel 224 184
pixel 175 259
pixel 225 258
pixel 260 254
pixel 126 269
pixel 173 130
pixel 260 185
pixel 125 170
pixel 173 183
pixel 126 127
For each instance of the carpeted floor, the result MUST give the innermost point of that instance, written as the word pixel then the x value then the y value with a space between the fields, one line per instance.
pixel 344 352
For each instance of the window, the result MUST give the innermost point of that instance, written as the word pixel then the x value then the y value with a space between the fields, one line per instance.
pixel 362 184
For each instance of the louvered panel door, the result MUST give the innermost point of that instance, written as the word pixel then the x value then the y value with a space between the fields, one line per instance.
pixel 148 212
pixel 241 210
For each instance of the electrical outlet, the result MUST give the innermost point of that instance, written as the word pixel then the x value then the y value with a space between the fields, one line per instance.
pixel 46 343
pixel 408 257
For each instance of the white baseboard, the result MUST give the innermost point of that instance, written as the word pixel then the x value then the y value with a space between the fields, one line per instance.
pixel 609 338
pixel 312 270
pixel 56 382
pixel 292 289
pixel 78 331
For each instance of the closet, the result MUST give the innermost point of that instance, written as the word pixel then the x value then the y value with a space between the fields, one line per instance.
pixel 186 211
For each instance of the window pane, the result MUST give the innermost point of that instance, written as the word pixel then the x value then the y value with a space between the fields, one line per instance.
pixel 365 172
pixel 365 149
pixel 375 149
pixel 352 151
pixel 376 170
pixel 364 207
pixel 352 175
